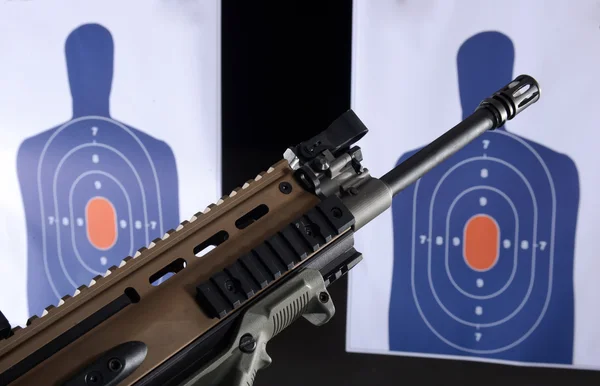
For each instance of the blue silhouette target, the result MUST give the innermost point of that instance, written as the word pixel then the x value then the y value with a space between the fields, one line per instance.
pixel 94 189
pixel 484 243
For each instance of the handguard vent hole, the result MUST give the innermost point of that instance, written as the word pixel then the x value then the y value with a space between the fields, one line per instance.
pixel 211 243
pixel 132 294
pixel 166 272
pixel 252 216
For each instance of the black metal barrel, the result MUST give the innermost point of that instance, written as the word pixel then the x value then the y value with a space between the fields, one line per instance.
pixel 493 112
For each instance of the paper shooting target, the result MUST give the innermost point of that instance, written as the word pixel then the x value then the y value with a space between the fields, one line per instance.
pixel 484 243
pixel 94 189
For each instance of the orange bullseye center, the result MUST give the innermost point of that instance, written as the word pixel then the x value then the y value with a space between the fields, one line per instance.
pixel 481 242
pixel 101 220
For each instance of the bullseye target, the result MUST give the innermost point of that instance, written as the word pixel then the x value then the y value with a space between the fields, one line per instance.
pixel 483 247
pixel 95 190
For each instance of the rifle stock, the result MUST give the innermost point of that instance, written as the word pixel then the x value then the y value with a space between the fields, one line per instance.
pixel 279 241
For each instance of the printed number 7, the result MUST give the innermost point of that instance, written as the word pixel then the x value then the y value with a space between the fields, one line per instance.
pixel 486 143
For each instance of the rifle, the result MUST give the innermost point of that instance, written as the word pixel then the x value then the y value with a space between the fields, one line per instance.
pixel 237 273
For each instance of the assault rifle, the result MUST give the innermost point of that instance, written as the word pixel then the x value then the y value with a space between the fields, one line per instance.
pixel 276 244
